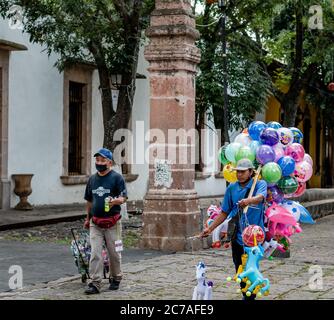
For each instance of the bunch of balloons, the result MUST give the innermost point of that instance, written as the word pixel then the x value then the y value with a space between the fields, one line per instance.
pixel 286 166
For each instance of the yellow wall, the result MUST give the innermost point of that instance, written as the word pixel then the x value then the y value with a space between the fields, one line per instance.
pixel 273 114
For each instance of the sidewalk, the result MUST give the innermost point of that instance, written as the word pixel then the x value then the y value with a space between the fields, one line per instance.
pixel 173 276
pixel 12 219
pixel 319 202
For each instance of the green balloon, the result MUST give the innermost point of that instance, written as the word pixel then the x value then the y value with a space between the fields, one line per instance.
pixel 221 156
pixel 271 172
pixel 288 185
pixel 245 153
pixel 231 151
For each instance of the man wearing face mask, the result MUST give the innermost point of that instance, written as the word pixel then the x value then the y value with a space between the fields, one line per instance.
pixel 105 192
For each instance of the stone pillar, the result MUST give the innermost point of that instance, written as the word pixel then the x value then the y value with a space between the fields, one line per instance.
pixel 171 208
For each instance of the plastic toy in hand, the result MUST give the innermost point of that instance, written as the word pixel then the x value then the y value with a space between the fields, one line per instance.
pixel 213 212
pixel 203 289
pixel 270 246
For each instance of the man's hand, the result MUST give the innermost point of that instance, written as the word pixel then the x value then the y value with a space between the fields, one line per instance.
pixel 116 201
pixel 205 233
pixel 86 224
pixel 244 203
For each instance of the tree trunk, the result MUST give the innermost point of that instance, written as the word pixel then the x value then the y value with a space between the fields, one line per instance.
pixel 113 121
pixel 289 104
pixel 120 118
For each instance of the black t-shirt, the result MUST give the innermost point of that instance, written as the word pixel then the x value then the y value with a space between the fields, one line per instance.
pixel 100 187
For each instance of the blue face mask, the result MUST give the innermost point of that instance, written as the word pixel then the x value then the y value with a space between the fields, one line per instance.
pixel 101 167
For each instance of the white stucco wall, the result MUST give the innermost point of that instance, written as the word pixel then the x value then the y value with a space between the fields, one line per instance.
pixel 35 126
pixel 35 143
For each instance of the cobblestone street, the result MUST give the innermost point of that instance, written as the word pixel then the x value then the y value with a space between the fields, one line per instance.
pixel 172 276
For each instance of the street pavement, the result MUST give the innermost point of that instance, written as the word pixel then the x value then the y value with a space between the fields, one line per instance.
pixel 172 276
pixel 45 262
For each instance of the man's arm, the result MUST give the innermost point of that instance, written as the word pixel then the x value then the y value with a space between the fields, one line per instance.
pixel 260 195
pixel 219 220
pixel 88 209
pixel 253 200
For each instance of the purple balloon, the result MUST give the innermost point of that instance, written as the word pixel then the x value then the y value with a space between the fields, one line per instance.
pixel 265 154
pixel 275 195
pixel 269 136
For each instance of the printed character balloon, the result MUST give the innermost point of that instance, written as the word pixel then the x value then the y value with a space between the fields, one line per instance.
pixel 265 154
pixel 255 129
pixel 300 190
pixel 279 151
pixel 269 136
pixel 287 165
pixel 285 136
pixel 297 135
pixel 275 195
pixel 271 172
pixel 296 151
pixel 308 159
pixel 248 235
pixel 303 171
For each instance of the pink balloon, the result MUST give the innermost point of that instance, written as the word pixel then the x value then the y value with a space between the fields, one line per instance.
pixel 303 171
pixel 279 151
pixel 308 159
pixel 296 151
pixel 301 189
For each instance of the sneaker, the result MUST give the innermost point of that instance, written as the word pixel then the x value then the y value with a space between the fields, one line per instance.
pixel 91 289
pixel 114 285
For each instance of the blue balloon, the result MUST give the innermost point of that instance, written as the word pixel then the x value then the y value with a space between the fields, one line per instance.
pixel 305 216
pixel 255 129
pixel 274 125
pixel 287 165
pixel 297 135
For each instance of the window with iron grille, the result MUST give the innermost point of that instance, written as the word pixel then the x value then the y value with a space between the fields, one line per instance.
pixel 75 128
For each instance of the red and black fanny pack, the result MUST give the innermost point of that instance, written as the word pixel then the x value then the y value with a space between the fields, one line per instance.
pixel 106 223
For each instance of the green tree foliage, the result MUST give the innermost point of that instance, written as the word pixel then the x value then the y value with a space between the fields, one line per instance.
pixel 271 48
pixel 249 86
pixel 104 32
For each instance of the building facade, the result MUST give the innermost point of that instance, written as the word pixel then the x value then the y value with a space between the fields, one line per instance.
pixel 51 124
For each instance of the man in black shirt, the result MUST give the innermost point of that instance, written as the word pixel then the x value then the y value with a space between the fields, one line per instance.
pixel 105 192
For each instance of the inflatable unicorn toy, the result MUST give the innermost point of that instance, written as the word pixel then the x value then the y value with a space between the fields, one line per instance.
pixel 213 212
pixel 255 283
pixel 203 289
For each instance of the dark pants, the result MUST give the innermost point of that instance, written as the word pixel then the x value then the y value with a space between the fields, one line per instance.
pixel 237 252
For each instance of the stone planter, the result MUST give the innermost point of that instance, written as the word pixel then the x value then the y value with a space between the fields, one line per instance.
pixel 23 190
